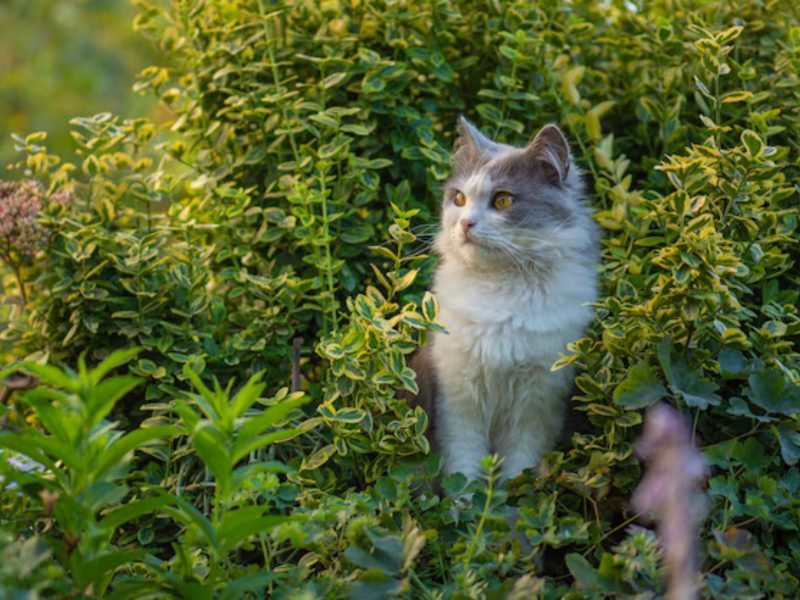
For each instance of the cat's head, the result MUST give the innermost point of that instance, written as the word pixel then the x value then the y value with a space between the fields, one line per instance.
pixel 509 207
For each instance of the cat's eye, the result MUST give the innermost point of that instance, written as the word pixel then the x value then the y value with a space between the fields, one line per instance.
pixel 502 200
pixel 460 199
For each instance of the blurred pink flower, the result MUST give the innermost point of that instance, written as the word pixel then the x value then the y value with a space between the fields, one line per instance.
pixel 670 491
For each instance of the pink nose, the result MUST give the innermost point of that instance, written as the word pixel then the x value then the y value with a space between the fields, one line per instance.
pixel 466 224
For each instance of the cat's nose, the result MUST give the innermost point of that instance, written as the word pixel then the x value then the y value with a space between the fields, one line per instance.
pixel 466 224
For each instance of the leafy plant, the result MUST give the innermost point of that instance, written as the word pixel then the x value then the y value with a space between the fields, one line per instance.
pixel 80 464
pixel 277 226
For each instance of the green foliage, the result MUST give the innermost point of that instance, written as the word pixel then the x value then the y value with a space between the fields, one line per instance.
pixel 80 464
pixel 367 367
pixel 274 235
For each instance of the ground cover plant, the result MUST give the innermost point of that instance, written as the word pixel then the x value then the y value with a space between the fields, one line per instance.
pixel 206 324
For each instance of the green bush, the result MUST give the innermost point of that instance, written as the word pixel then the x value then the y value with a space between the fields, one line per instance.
pixel 276 230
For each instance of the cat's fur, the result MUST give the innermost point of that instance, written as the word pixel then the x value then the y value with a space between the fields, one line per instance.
pixel 513 291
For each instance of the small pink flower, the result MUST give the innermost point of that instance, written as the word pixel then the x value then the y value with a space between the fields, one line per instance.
pixel 671 492
pixel 21 235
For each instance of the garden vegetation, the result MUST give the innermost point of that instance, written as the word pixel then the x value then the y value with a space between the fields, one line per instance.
pixel 207 324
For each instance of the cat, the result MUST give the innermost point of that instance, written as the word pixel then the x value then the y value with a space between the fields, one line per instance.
pixel 519 253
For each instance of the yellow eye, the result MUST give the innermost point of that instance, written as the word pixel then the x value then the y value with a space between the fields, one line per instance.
pixel 460 199
pixel 502 200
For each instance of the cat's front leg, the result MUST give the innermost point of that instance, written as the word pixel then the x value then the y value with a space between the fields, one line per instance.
pixel 523 445
pixel 525 454
pixel 463 438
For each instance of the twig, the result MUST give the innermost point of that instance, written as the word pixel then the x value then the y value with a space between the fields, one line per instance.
pixel 296 345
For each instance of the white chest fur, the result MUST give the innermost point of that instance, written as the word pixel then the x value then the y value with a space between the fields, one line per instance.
pixel 497 393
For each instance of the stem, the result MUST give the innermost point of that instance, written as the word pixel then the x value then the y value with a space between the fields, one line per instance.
pixel 328 262
pixel 393 291
pixel 276 80
pixel 611 532
pixel 484 516
pixel 296 348
pixel 20 283
pixel 415 578
pixel 265 551
pixel 326 232
pixel 15 267
pixel 716 109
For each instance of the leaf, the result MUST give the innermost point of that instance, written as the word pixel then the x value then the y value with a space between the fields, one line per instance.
pixel 753 143
pixel 186 514
pixel 357 129
pixel 372 84
pixel 737 96
pixel 770 390
pixel 112 361
pixel 406 279
pixel 641 388
pixel 19 444
pixel 104 395
pixel 732 364
pixel 695 390
pixel 55 409
pixel 333 80
pixel 247 395
pixel 241 449
pixel 238 525
pixel 210 446
pixel 113 455
pixel 430 307
pixel 42 448
pixel 750 453
pixel 350 415
pixel 585 576
pixel 254 583
pixel 206 393
pixel 385 253
pixel 94 570
pixel 269 417
pixel 52 375
pixel 789 439
pixel 415 320
pixel 132 510
pixel 385 555
pixel 730 34
pixel 319 458
pixel 454 484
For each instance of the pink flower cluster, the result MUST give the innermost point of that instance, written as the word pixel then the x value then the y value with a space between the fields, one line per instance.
pixel 20 231
pixel 671 492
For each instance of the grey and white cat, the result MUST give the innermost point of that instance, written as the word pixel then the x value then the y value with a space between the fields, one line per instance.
pixel 518 268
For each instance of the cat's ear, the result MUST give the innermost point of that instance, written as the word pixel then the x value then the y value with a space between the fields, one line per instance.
pixel 470 141
pixel 550 151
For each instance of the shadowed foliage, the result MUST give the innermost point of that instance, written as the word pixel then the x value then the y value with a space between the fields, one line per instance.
pixel 292 196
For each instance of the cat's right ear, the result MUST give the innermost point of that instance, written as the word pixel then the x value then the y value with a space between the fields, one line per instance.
pixel 470 142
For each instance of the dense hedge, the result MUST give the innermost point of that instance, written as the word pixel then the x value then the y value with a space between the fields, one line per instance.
pixel 274 234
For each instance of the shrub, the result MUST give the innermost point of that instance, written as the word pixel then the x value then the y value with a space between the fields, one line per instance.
pixel 286 208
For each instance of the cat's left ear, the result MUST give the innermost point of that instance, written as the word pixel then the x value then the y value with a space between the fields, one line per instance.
pixel 550 151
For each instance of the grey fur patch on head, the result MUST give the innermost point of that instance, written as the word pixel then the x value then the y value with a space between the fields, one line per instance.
pixel 548 217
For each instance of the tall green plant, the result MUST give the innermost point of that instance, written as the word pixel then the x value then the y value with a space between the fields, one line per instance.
pixel 80 464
